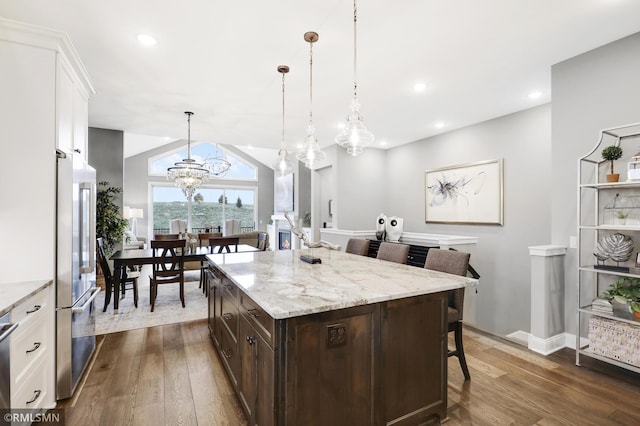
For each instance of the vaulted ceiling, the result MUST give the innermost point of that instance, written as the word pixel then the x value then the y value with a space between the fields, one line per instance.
pixel 478 60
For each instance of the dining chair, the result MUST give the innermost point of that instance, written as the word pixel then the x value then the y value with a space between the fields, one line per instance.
pixel 393 252
pixel 168 266
pixel 203 240
pixel 131 276
pixel 456 263
pixel 223 243
pixel 357 246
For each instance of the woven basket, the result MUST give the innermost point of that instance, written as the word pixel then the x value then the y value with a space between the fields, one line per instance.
pixel 615 339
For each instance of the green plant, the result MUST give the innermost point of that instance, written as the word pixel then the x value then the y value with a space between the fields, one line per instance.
pixel 625 290
pixel 110 225
pixel 622 214
pixel 612 153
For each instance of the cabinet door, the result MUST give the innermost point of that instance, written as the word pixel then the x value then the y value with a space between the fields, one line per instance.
pixel 414 358
pixel 248 377
pixel 64 105
pixel 80 121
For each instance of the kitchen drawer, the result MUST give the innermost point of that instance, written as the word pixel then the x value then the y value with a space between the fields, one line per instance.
pixel 259 319
pixel 34 389
pixel 229 316
pixel 230 290
pixel 230 357
pixel 33 307
pixel 28 345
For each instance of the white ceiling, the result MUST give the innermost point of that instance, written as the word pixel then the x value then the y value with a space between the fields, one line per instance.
pixel 480 60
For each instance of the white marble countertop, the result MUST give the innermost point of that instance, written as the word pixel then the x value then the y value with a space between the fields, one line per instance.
pixel 12 294
pixel 286 287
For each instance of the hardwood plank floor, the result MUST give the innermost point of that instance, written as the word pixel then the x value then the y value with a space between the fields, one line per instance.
pixel 171 375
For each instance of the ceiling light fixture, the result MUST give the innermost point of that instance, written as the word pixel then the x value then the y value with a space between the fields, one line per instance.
pixel 439 125
pixel 310 153
pixel 419 87
pixel 187 174
pixel 535 95
pixel 355 136
pixel 283 166
pixel 146 40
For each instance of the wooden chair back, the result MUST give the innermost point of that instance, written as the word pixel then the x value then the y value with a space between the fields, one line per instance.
pixel 204 237
pixel 163 237
pixel 223 243
pixel 102 259
pixel 357 246
pixel 168 263
pixel 393 252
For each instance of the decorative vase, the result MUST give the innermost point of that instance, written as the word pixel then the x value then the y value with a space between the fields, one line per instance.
pixel 613 177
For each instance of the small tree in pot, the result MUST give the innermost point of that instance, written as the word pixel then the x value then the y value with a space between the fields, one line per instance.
pixel 612 153
pixel 110 225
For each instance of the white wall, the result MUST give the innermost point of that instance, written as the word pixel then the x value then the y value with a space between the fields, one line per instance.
pixel 593 91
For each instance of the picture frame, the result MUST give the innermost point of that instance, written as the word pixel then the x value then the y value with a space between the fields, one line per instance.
pixel 465 194
pixel 284 193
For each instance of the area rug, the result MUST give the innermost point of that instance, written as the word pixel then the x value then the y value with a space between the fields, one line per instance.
pixel 168 309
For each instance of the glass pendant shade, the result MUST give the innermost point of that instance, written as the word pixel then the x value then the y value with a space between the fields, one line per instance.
pixel 355 136
pixel 188 174
pixel 311 154
pixel 282 165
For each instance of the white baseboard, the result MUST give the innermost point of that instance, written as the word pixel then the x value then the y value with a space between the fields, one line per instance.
pixel 549 345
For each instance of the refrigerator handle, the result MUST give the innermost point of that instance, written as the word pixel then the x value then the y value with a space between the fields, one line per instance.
pixel 84 307
pixel 88 201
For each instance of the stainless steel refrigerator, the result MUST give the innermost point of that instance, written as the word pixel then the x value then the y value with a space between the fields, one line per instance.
pixel 75 270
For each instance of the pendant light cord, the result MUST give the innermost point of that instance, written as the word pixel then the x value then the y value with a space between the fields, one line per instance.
pixel 282 143
pixel 189 114
pixel 355 49
pixel 311 82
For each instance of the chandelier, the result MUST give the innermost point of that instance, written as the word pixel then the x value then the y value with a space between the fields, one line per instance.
pixel 354 137
pixel 188 174
pixel 311 154
pixel 283 166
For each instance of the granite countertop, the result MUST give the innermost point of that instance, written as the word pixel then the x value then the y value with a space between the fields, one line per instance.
pixel 12 294
pixel 285 287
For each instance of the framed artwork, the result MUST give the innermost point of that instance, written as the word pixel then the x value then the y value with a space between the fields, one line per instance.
pixel 284 193
pixel 465 194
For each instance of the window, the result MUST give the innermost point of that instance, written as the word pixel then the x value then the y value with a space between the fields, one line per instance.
pixel 214 208
pixel 203 152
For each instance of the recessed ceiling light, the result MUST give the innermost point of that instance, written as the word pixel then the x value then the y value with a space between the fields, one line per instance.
pixel 535 95
pixel 249 147
pixel 439 125
pixel 167 138
pixel 419 87
pixel 299 146
pixel 146 40
pixel 382 143
pixel 341 125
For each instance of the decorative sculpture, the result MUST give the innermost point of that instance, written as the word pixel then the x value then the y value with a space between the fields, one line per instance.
pixel 617 247
pixel 381 233
pixel 393 228
pixel 298 233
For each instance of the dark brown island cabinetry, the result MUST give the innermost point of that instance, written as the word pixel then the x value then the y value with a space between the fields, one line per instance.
pixel 374 364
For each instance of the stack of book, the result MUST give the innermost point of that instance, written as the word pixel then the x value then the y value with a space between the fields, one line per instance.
pixel 602 305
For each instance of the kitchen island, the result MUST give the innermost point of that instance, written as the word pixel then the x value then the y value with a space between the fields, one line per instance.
pixel 352 340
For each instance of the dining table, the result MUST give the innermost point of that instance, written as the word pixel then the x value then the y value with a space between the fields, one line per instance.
pixel 122 259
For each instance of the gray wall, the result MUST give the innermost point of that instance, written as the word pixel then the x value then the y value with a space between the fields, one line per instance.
pixel 106 156
pixel 137 179
pixel 501 256
pixel 593 91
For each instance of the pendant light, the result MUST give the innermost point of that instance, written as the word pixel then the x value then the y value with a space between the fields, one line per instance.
pixel 188 174
pixel 283 166
pixel 354 137
pixel 311 154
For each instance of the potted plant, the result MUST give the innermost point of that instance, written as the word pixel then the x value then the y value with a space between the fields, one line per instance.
pixel 626 291
pixel 612 153
pixel 110 225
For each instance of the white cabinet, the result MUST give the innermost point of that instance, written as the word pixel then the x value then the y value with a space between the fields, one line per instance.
pixel 44 90
pixel 32 352
pixel 605 209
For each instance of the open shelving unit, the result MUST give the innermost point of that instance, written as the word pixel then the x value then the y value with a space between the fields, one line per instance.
pixel 594 193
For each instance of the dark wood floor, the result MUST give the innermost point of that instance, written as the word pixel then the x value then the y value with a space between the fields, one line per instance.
pixel 171 375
